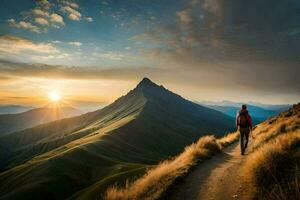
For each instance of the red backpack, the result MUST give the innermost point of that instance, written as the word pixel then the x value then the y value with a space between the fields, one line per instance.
pixel 243 120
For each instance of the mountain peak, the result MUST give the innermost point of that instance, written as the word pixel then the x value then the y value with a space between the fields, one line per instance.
pixel 146 82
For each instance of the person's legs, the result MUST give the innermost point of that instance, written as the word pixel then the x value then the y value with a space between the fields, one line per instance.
pixel 242 141
pixel 247 139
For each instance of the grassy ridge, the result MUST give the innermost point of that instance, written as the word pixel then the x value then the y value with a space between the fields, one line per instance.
pixel 158 179
pixel 274 164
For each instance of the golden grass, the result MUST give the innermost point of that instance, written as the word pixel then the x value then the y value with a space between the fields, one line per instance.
pixel 228 139
pixel 274 168
pixel 158 179
pixel 274 127
pixel 274 164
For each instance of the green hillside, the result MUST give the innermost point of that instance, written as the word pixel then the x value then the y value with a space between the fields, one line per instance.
pixel 81 156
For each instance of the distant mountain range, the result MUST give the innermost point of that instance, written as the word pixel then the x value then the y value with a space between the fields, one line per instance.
pixel 15 122
pixel 258 113
pixel 281 107
pixel 13 109
pixel 80 156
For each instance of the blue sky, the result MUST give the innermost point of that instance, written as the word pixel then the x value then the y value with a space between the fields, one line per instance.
pixel 240 50
pixel 104 31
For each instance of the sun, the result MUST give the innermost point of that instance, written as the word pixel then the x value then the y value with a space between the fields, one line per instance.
pixel 54 96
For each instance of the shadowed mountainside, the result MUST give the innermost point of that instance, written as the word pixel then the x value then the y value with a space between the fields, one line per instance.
pixel 81 156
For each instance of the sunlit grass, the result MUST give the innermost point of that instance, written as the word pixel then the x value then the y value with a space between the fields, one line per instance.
pixel 158 179
pixel 274 164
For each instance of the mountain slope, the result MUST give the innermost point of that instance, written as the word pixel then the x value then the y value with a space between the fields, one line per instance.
pixel 83 155
pixel 13 109
pixel 14 122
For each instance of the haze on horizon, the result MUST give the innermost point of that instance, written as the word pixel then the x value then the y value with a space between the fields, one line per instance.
pixel 91 52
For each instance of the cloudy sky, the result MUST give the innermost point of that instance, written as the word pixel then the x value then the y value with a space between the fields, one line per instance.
pixel 94 51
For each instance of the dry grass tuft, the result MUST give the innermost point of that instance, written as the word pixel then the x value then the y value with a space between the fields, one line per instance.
pixel 158 179
pixel 267 131
pixel 228 139
pixel 274 168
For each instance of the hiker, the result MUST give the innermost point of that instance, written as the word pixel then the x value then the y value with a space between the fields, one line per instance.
pixel 244 125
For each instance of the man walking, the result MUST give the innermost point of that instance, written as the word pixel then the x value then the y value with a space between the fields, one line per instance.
pixel 244 125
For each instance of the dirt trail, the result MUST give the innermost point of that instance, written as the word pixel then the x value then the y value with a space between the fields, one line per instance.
pixel 219 178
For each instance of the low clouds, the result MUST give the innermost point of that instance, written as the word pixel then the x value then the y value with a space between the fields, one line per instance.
pixel 19 49
pixel 109 55
pixel 77 44
pixel 15 45
pixel 23 50
pixel 72 72
pixel 191 82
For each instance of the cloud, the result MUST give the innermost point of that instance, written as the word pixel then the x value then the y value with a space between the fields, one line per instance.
pixel 77 44
pixel 41 21
pixel 17 97
pixel 184 16
pixel 218 31
pixel 56 18
pixel 109 55
pixel 72 13
pixel 112 56
pixel 40 12
pixel 208 80
pixel 15 45
pixel 44 4
pixel 89 19
pixel 213 6
pixel 71 4
pixel 43 15
pixel 105 3
pixel 56 42
pixel 151 36
pixel 23 25
pixel 234 45
pixel 73 72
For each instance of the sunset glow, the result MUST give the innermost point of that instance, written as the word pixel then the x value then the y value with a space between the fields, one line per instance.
pixel 96 50
pixel 54 96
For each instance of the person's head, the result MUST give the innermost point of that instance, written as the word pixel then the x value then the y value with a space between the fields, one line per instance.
pixel 244 107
